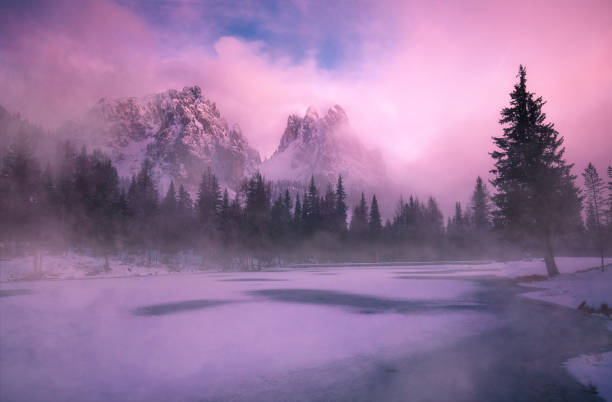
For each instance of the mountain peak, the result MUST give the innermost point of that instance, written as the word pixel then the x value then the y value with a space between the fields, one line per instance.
pixel 181 132
pixel 336 116
pixel 311 113
pixel 323 146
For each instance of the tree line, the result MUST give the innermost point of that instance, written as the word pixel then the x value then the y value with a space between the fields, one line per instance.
pixel 80 202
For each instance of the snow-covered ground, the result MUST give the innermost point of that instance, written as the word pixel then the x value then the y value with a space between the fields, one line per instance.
pixel 72 265
pixel 220 335
pixel 594 288
pixel 226 335
pixel 594 370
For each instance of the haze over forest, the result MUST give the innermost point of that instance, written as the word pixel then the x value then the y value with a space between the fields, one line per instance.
pixel 305 200
pixel 425 84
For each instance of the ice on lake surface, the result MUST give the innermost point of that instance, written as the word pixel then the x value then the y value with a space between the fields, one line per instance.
pixel 436 332
pixel 230 336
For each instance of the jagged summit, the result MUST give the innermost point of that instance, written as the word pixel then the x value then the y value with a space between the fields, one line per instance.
pixel 311 127
pixel 323 146
pixel 182 132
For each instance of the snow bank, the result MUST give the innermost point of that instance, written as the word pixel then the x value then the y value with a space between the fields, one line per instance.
pixel 536 266
pixel 593 287
pixel 72 265
pixel 594 370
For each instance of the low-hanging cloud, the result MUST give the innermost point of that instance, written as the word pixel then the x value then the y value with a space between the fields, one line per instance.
pixel 426 83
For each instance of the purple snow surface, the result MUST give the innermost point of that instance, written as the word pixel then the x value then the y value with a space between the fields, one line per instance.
pixel 231 336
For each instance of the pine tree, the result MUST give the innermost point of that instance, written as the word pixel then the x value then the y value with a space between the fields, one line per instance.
pixel 209 201
pixel 359 221
pixel 375 223
pixel 287 209
pixel 143 207
pixel 169 221
pixel 257 212
pixel 276 219
pixel 457 227
pixel 328 210
pixel 433 228
pixel 311 209
pixel 169 204
pixel 103 210
pixel 296 222
pixel 480 206
pixel 143 197
pixel 610 201
pixel 19 192
pixel 184 202
pixel 594 186
pixel 536 194
pixel 341 208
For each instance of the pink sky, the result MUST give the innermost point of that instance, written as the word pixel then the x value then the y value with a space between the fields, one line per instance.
pixel 424 82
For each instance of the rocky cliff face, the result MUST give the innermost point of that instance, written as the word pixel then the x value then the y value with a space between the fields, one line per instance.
pixel 181 132
pixel 323 146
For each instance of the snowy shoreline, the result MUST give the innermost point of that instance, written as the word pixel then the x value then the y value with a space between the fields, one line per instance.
pixel 592 288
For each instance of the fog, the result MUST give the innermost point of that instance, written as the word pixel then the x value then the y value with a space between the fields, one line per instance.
pixel 452 243
pixel 422 83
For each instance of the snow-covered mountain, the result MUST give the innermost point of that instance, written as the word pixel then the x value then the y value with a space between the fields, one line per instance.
pixel 183 134
pixel 324 146
pixel 180 131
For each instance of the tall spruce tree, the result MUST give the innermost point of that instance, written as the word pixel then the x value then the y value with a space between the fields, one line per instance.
pixel 184 213
pixel 433 223
pixel 594 188
pixel 19 192
pixel 296 222
pixel 277 224
pixel 142 206
pixel 287 209
pixel 328 210
pixel 457 227
pixel 536 194
pixel 359 221
pixel 257 212
pixel 168 221
pixel 169 203
pixel 375 222
pixel 311 209
pixel 610 201
pixel 341 208
pixel 481 211
pixel 209 201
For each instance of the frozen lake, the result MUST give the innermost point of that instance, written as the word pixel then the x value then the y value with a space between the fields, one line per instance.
pixel 380 333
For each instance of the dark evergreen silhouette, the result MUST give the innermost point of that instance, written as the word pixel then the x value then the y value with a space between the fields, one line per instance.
pixel 480 205
pixel 78 202
pixel 375 222
pixel 341 208
pixel 536 196
pixel 595 210
pixel 359 221
pixel 610 201
pixel 208 203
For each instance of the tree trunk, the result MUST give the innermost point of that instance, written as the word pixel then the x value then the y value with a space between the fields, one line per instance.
pixel 549 258
pixel 602 249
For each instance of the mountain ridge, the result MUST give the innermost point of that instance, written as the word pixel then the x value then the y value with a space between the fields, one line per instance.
pixel 181 132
